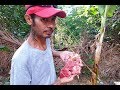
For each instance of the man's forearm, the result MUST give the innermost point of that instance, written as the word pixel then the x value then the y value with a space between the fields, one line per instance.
pixel 56 53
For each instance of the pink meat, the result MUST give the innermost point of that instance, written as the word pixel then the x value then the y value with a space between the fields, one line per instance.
pixel 72 67
pixel 65 73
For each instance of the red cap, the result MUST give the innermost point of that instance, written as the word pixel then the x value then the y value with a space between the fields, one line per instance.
pixel 44 11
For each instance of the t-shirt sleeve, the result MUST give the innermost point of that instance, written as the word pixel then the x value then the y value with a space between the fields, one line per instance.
pixel 19 74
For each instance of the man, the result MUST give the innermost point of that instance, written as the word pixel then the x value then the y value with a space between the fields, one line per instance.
pixel 32 63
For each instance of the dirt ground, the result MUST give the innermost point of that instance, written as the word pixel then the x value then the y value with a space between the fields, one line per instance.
pixel 109 67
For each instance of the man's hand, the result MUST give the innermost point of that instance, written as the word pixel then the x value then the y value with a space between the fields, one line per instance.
pixel 64 80
pixel 64 55
pixel 67 79
pixel 67 55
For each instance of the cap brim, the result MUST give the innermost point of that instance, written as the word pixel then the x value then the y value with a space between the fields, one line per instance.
pixel 48 12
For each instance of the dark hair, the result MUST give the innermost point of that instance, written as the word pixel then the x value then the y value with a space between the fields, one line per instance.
pixel 33 18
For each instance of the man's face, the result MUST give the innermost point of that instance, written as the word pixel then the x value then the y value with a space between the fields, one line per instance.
pixel 43 27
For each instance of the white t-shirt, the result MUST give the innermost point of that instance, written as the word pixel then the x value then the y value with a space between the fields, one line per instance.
pixel 31 66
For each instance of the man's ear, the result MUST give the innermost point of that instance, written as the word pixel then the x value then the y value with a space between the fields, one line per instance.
pixel 28 19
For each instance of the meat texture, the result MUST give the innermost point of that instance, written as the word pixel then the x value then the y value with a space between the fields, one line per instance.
pixel 73 64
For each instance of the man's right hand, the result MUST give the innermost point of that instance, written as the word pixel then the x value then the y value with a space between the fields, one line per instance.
pixel 63 80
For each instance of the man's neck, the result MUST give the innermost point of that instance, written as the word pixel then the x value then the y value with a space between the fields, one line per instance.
pixel 37 42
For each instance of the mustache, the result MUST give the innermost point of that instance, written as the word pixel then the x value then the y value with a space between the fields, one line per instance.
pixel 49 29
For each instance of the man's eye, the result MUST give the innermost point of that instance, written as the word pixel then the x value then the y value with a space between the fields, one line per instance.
pixel 53 18
pixel 44 19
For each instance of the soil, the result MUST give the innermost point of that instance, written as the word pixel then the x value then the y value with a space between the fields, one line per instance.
pixel 109 66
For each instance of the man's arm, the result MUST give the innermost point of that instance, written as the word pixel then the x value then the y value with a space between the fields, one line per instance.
pixel 56 53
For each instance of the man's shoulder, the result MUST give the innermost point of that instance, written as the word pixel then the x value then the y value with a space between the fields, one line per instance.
pixel 21 53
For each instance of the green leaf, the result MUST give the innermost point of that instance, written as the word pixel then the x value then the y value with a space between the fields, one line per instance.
pixel 90 62
pixel 93 10
pixel 101 9
pixel 4 48
pixel 111 10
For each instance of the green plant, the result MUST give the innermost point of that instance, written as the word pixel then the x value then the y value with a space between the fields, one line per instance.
pixel 4 48
pixel 105 11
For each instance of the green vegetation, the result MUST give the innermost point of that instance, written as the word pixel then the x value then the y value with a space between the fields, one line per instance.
pixel 81 19
pixel 12 18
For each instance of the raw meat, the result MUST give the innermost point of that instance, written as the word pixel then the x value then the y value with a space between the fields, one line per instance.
pixel 72 66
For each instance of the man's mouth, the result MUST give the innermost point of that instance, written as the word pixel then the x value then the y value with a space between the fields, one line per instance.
pixel 48 32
